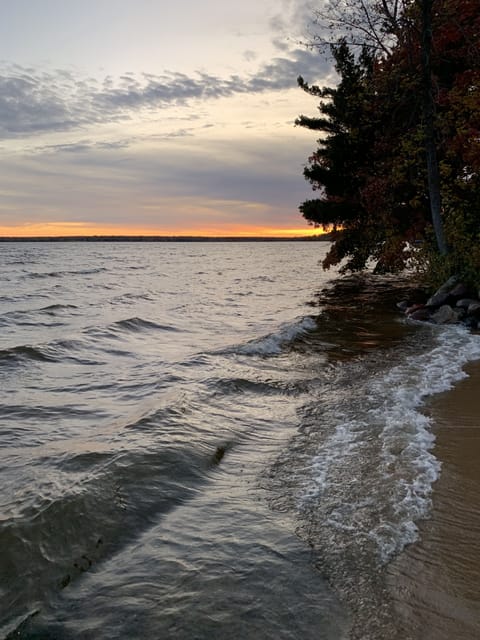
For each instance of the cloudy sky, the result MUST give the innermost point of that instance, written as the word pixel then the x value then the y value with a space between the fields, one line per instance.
pixel 148 116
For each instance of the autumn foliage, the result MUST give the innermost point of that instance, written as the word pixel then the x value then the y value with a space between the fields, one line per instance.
pixel 369 169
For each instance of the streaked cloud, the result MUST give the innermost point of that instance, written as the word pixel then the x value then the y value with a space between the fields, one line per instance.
pixel 34 101
pixel 148 119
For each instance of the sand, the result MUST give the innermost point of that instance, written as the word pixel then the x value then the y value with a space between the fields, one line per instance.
pixel 436 581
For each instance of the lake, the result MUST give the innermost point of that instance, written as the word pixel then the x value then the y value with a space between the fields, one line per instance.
pixel 210 440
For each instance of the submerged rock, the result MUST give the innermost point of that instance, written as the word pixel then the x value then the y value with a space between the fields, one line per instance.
pixel 413 308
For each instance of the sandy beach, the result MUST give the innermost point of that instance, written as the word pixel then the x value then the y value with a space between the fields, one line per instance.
pixel 436 582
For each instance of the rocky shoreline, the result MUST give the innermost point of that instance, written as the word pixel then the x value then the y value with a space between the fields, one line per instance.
pixel 452 303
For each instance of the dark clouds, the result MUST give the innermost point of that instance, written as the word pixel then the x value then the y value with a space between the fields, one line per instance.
pixel 33 102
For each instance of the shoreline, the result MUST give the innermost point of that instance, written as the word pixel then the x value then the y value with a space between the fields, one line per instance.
pixel 435 583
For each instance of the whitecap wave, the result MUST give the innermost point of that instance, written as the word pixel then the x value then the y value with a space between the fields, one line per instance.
pixel 380 449
pixel 273 343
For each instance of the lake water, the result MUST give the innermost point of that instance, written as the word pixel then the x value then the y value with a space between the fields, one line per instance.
pixel 209 441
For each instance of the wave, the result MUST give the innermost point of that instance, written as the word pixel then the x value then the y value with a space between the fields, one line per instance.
pixel 52 308
pixel 407 431
pixel 57 351
pixel 111 499
pixel 133 297
pixel 235 385
pixel 35 412
pixel 26 317
pixel 273 343
pixel 24 353
pixel 359 474
pixel 40 275
pixel 139 324
pixel 380 449
pixel 87 272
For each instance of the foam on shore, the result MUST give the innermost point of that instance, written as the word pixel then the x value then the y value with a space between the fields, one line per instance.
pixel 436 582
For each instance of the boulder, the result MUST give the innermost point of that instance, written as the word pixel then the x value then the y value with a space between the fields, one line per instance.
pixel 459 290
pixel 444 315
pixel 464 303
pixel 448 285
pixel 438 299
pixel 473 309
pixel 448 305
pixel 442 294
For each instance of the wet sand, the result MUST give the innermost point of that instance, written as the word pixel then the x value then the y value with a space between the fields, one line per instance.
pixel 436 582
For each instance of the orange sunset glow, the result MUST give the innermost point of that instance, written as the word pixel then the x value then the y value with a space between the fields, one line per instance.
pixel 54 229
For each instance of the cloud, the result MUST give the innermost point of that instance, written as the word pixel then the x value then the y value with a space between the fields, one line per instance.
pixel 34 101
pixel 282 72
pixel 28 104
pixel 250 55
pixel 293 19
pixel 83 146
pixel 245 180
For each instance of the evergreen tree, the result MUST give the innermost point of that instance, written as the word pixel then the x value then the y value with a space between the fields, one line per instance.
pixel 370 166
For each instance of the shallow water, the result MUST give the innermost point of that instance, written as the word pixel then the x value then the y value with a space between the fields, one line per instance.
pixel 199 443
pixel 436 582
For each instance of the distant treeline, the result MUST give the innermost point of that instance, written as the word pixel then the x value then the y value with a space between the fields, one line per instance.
pixel 321 237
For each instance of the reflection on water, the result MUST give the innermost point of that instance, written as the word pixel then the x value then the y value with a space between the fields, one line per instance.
pixel 196 443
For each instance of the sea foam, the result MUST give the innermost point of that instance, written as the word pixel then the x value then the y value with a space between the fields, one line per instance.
pixel 374 470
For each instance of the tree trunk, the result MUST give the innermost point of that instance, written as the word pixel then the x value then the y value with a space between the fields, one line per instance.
pixel 429 129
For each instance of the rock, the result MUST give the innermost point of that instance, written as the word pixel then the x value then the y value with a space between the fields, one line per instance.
pixel 473 309
pixel 448 285
pixel 438 299
pixel 421 314
pixel 464 303
pixel 459 290
pixel 471 322
pixel 448 305
pixel 441 295
pixel 460 313
pixel 413 308
pixel 444 315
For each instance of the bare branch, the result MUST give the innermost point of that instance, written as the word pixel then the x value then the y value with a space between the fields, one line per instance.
pixel 374 24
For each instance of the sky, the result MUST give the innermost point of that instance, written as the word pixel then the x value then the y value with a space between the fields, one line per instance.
pixel 155 117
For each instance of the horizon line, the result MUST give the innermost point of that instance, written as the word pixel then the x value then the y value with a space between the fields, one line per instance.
pixel 159 238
